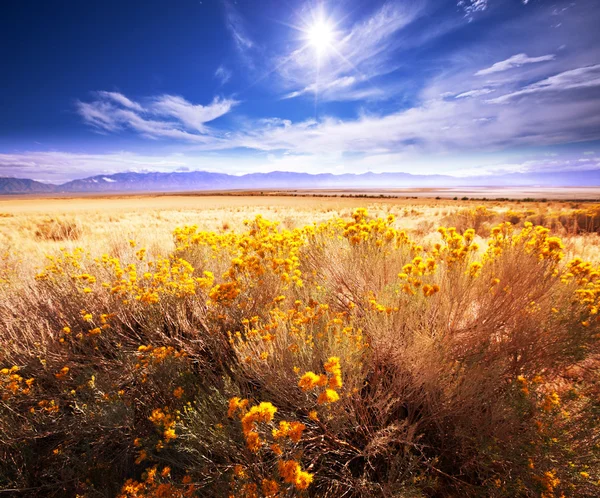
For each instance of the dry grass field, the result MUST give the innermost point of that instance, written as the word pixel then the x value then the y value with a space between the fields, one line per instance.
pixel 282 345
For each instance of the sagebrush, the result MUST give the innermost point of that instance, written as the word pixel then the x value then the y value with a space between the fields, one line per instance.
pixel 342 358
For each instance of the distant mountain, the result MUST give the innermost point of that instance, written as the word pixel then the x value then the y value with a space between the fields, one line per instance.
pixel 155 182
pixel 202 180
pixel 24 186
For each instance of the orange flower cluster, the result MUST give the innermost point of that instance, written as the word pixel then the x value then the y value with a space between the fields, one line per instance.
pixel 263 412
pixel 154 485
pixel 534 240
pixel 263 250
pixel 374 233
pixel 289 470
pixel 69 264
pixel 48 406
pixel 293 430
pixel 224 293
pixel 151 356
pixel 457 247
pixel 12 384
pixel 291 473
pixel 165 422
pixel 169 276
pixel 64 371
pixel 587 293
pixel 412 274
pixel 332 381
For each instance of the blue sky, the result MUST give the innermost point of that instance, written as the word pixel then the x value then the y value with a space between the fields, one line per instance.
pixel 460 87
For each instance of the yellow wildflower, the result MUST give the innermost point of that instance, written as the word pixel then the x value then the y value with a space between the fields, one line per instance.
pixel 328 396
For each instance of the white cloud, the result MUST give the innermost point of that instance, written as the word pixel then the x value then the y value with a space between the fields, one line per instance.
pixel 236 26
pixel 342 89
pixel 474 93
pixel 343 82
pixel 193 116
pixel 99 114
pixel 579 78
pixel 120 99
pixel 472 6
pixel 433 126
pixel 223 74
pixel 558 11
pixel 178 118
pixel 512 62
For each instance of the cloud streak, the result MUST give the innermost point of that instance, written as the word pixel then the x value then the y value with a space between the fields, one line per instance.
pixel 120 99
pixel 192 116
pixel 472 6
pixel 512 62
pixel 223 74
pixel 237 28
pixel 167 116
pixel 574 79
pixel 436 126
pixel 474 93
pixel 466 123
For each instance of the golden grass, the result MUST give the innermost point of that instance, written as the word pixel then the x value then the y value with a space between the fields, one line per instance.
pixel 283 346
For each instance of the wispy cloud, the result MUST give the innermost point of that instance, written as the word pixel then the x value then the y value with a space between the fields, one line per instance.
pixel 192 116
pixel 337 84
pixel 579 78
pixel 440 126
pixel 472 6
pixel 512 62
pixel 237 28
pixel 99 114
pixel 120 99
pixel 223 74
pixel 345 88
pixel 475 93
pixel 434 126
pixel 167 116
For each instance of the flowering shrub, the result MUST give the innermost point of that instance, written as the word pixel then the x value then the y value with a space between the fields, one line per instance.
pixel 342 357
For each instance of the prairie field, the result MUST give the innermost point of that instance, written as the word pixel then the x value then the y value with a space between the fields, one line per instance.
pixel 299 345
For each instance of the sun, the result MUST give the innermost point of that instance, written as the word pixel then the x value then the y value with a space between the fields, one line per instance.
pixel 320 35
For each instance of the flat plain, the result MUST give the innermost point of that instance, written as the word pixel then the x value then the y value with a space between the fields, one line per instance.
pixel 108 221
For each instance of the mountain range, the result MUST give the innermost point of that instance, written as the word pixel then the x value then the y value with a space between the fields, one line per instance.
pixel 202 180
